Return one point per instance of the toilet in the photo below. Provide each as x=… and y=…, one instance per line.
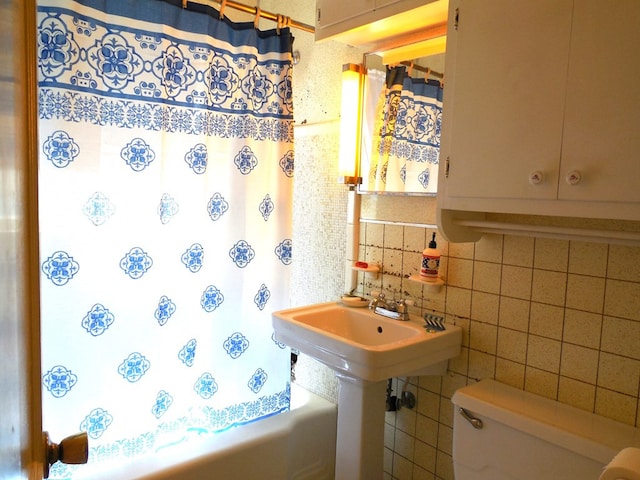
x=503, y=433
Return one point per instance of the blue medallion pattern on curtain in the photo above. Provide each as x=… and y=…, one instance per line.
x=406, y=136
x=165, y=182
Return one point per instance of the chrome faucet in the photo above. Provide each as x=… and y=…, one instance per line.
x=398, y=310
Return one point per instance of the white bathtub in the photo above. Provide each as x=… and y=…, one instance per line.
x=296, y=445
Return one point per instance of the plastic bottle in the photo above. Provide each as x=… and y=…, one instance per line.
x=430, y=261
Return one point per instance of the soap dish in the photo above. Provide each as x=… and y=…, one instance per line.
x=433, y=286
x=353, y=301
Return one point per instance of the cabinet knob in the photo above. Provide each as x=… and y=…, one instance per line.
x=573, y=177
x=536, y=177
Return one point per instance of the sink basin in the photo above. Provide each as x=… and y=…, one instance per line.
x=362, y=344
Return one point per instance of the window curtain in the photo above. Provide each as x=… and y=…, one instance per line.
x=165, y=183
x=406, y=135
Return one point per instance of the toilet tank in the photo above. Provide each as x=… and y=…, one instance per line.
x=528, y=437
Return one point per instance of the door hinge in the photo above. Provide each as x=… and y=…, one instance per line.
x=456, y=19
x=446, y=167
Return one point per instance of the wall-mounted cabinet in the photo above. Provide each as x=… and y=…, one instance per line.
x=542, y=109
x=370, y=23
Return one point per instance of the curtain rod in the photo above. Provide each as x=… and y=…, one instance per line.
x=257, y=11
x=426, y=70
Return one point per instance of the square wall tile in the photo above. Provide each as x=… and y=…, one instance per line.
x=620, y=374
x=551, y=254
x=481, y=365
x=483, y=337
x=420, y=473
x=459, y=272
x=616, y=405
x=485, y=307
x=414, y=239
x=428, y=404
x=458, y=301
x=391, y=284
x=394, y=236
x=516, y=282
x=388, y=463
x=541, y=383
x=510, y=373
x=425, y=456
x=518, y=251
x=514, y=314
x=582, y=328
x=404, y=444
x=549, y=287
x=458, y=250
x=588, y=258
x=579, y=363
x=444, y=466
x=577, y=394
x=447, y=411
x=460, y=364
x=402, y=467
x=427, y=430
x=431, y=383
x=621, y=336
x=450, y=383
x=406, y=417
x=624, y=263
x=375, y=235
x=585, y=293
x=445, y=439
x=543, y=353
x=392, y=261
x=623, y=299
x=546, y=320
x=512, y=345
x=389, y=433
x=486, y=277
x=373, y=255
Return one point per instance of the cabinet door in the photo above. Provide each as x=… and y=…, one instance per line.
x=330, y=12
x=602, y=123
x=506, y=108
x=384, y=3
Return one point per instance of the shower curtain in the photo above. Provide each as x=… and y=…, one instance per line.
x=406, y=135
x=165, y=183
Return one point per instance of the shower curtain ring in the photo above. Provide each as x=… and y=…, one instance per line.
x=256, y=20
x=426, y=74
x=223, y=3
x=184, y=3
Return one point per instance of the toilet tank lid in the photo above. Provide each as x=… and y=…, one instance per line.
x=585, y=433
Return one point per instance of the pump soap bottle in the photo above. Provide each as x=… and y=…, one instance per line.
x=430, y=261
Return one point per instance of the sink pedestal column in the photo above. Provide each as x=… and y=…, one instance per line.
x=360, y=439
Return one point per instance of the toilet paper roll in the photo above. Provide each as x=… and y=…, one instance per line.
x=624, y=466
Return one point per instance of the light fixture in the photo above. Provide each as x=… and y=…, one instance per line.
x=352, y=78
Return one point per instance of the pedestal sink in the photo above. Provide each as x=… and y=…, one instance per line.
x=365, y=349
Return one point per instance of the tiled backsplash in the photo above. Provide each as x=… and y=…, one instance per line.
x=553, y=317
